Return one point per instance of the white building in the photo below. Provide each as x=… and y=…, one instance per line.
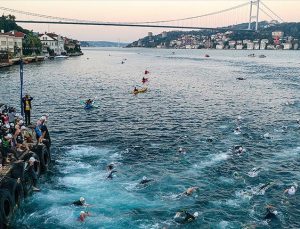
x=219, y=46
x=12, y=42
x=250, y=45
x=287, y=46
x=53, y=42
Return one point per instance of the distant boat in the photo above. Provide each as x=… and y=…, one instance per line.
x=262, y=56
x=251, y=55
x=206, y=55
x=61, y=57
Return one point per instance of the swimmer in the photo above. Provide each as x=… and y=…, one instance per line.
x=110, y=167
x=254, y=172
x=237, y=130
x=83, y=215
x=264, y=187
x=182, y=150
x=189, y=191
x=185, y=217
x=291, y=191
x=81, y=202
x=145, y=180
x=110, y=175
x=271, y=212
x=239, y=150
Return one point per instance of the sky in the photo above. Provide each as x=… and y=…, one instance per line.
x=139, y=10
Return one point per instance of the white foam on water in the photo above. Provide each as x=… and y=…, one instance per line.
x=212, y=160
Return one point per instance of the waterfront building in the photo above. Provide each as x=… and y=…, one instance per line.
x=287, y=46
x=53, y=42
x=232, y=44
x=250, y=45
x=219, y=46
x=256, y=44
x=12, y=42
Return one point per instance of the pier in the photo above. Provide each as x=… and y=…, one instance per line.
x=16, y=180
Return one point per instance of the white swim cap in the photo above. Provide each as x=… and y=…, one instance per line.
x=82, y=212
x=196, y=214
x=32, y=159
x=8, y=136
x=144, y=178
x=21, y=122
x=81, y=199
x=291, y=190
x=23, y=127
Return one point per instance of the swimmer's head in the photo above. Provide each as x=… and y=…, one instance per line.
x=82, y=199
x=144, y=178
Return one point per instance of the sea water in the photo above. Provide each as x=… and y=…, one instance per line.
x=192, y=102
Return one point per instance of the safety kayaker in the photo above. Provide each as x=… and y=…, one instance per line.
x=135, y=89
x=146, y=72
x=89, y=102
x=144, y=80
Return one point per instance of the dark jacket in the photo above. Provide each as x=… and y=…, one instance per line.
x=24, y=99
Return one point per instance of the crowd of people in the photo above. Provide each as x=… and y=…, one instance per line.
x=18, y=135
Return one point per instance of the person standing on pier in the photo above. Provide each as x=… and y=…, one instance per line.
x=27, y=108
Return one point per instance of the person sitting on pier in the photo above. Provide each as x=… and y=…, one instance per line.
x=6, y=148
x=38, y=131
x=21, y=145
x=45, y=132
x=32, y=174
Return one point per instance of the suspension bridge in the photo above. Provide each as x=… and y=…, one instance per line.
x=250, y=12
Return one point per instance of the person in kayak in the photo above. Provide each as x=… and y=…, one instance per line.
x=89, y=102
x=146, y=72
x=144, y=80
x=135, y=89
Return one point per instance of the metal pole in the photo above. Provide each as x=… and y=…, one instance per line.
x=21, y=82
x=257, y=13
x=250, y=15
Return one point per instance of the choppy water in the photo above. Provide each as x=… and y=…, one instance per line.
x=191, y=99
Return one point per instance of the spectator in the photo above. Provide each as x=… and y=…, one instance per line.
x=27, y=107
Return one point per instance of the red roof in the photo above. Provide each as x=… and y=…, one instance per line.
x=15, y=34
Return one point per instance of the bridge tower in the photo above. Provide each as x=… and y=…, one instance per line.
x=254, y=16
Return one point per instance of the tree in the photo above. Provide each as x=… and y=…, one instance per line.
x=31, y=44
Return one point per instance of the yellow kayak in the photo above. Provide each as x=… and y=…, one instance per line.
x=142, y=90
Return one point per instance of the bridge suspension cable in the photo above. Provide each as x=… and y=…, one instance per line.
x=278, y=17
x=141, y=22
